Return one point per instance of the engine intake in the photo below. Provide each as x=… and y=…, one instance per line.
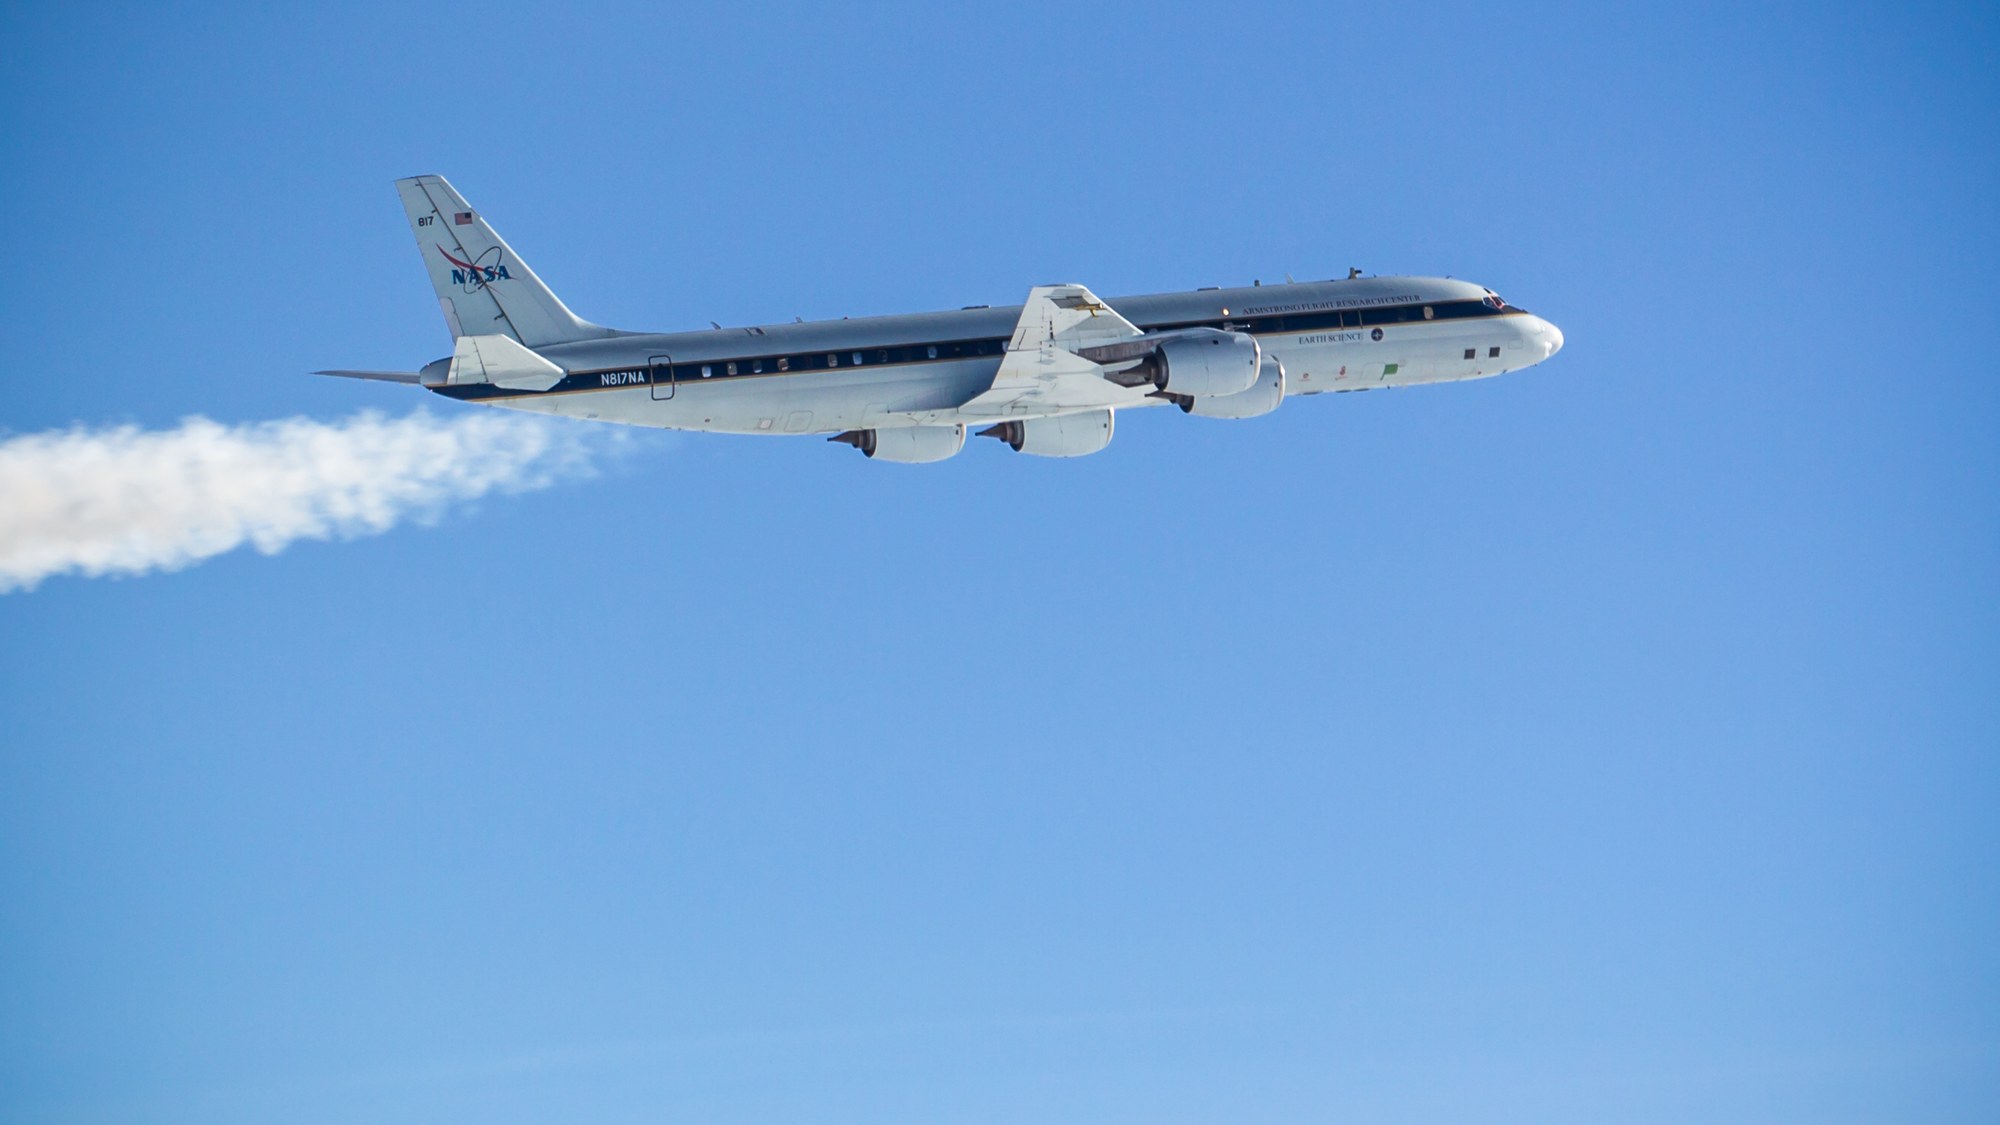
x=1264, y=396
x=1207, y=363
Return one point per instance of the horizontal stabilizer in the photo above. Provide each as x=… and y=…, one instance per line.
x=502, y=362
x=379, y=376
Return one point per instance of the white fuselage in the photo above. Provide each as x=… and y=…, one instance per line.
x=880, y=372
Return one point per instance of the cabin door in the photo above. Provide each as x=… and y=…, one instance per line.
x=660, y=374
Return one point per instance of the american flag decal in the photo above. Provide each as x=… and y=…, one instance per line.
x=461, y=218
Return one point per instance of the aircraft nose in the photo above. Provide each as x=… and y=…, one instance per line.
x=1549, y=335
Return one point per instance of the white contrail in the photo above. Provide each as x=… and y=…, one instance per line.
x=127, y=501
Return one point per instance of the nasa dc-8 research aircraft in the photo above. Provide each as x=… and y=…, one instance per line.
x=1047, y=378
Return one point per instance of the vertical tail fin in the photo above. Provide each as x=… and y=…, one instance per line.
x=483, y=287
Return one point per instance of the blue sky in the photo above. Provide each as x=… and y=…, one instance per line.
x=1613, y=741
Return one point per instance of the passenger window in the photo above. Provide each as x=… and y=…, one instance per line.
x=931, y=351
x=1493, y=352
x=857, y=359
x=784, y=365
x=729, y=370
x=705, y=372
x=756, y=367
x=1470, y=352
x=1429, y=313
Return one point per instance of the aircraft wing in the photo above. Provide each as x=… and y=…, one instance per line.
x=1042, y=374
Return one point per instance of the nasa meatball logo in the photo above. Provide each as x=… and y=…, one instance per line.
x=473, y=276
x=1375, y=335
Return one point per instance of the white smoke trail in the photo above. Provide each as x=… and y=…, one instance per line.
x=128, y=501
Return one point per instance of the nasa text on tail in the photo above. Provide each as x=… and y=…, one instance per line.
x=1047, y=377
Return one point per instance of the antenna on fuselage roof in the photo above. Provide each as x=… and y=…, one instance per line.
x=1353, y=272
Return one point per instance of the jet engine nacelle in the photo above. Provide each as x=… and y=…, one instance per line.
x=907, y=445
x=1071, y=435
x=1208, y=363
x=1264, y=396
